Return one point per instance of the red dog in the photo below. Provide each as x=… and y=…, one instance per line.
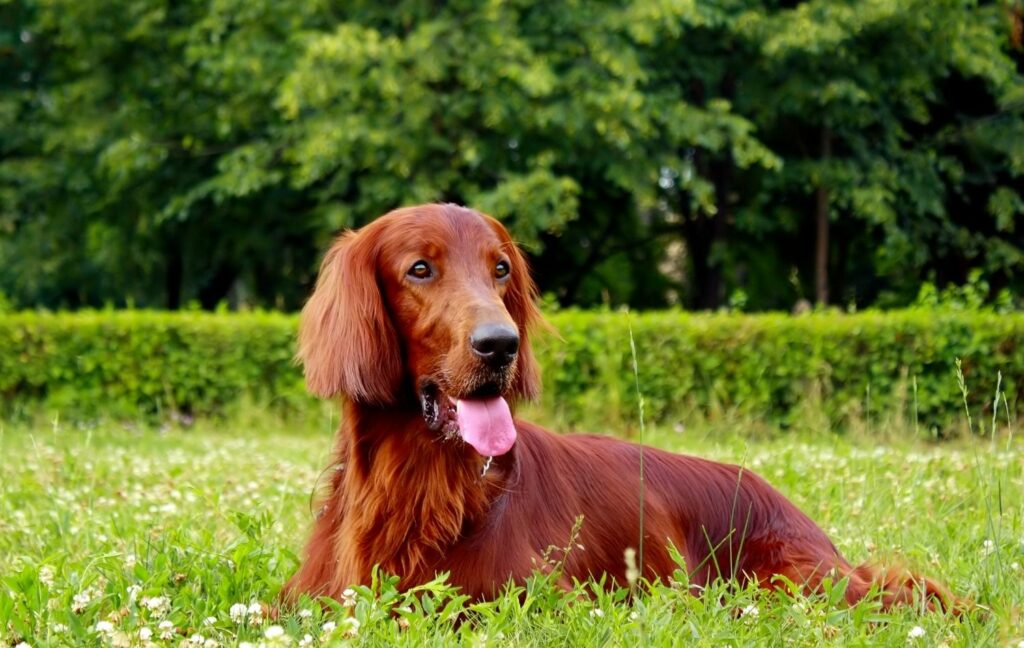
x=421, y=321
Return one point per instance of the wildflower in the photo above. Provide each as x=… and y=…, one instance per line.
x=246, y=644
x=166, y=629
x=329, y=627
x=348, y=597
x=103, y=627
x=209, y=621
x=306, y=641
x=129, y=561
x=988, y=547
x=751, y=610
x=156, y=604
x=597, y=612
x=46, y=575
x=237, y=612
x=79, y=601
x=210, y=643
x=351, y=629
x=197, y=639
x=133, y=592
x=145, y=634
x=255, y=613
x=274, y=632
x=916, y=632
x=59, y=628
x=305, y=613
x=632, y=573
x=23, y=645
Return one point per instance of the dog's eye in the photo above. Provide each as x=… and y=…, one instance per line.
x=502, y=269
x=420, y=270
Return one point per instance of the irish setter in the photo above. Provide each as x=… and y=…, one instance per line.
x=421, y=321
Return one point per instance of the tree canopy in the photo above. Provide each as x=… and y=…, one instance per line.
x=742, y=152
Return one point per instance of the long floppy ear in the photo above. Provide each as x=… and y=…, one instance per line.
x=346, y=340
x=521, y=302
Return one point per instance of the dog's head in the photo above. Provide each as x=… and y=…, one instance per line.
x=434, y=303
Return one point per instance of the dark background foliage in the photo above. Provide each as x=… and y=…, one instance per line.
x=748, y=153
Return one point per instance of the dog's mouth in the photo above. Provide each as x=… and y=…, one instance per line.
x=482, y=419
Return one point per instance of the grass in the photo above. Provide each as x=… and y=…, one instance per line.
x=184, y=535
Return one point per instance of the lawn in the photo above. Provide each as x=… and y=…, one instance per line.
x=133, y=535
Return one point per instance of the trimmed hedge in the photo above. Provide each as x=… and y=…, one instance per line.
x=132, y=363
x=127, y=364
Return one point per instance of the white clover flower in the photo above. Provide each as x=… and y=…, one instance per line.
x=750, y=610
x=916, y=632
x=348, y=597
x=197, y=639
x=210, y=643
x=329, y=627
x=23, y=645
x=237, y=612
x=597, y=612
x=166, y=630
x=145, y=634
x=306, y=641
x=156, y=604
x=133, y=591
x=988, y=547
x=79, y=601
x=59, y=628
x=255, y=612
x=274, y=632
x=129, y=561
x=46, y=575
x=103, y=627
x=351, y=628
x=305, y=613
x=209, y=621
x=246, y=644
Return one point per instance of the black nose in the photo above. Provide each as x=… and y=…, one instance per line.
x=497, y=344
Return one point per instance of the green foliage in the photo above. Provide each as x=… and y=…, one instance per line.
x=128, y=364
x=856, y=366
x=646, y=152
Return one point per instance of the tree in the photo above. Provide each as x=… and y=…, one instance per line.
x=646, y=152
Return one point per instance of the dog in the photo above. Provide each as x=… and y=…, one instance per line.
x=421, y=321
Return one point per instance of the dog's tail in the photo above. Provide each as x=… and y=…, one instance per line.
x=898, y=586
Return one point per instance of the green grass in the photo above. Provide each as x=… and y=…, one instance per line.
x=128, y=528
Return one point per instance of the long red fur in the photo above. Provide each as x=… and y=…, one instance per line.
x=415, y=505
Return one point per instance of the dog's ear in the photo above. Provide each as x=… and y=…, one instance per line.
x=521, y=302
x=347, y=342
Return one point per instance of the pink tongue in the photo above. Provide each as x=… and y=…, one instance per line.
x=486, y=424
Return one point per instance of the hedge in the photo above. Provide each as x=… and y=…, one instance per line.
x=139, y=363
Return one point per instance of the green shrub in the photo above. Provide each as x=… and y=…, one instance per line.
x=862, y=366
x=128, y=363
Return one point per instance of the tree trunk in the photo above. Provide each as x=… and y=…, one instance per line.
x=821, y=225
x=217, y=287
x=175, y=268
